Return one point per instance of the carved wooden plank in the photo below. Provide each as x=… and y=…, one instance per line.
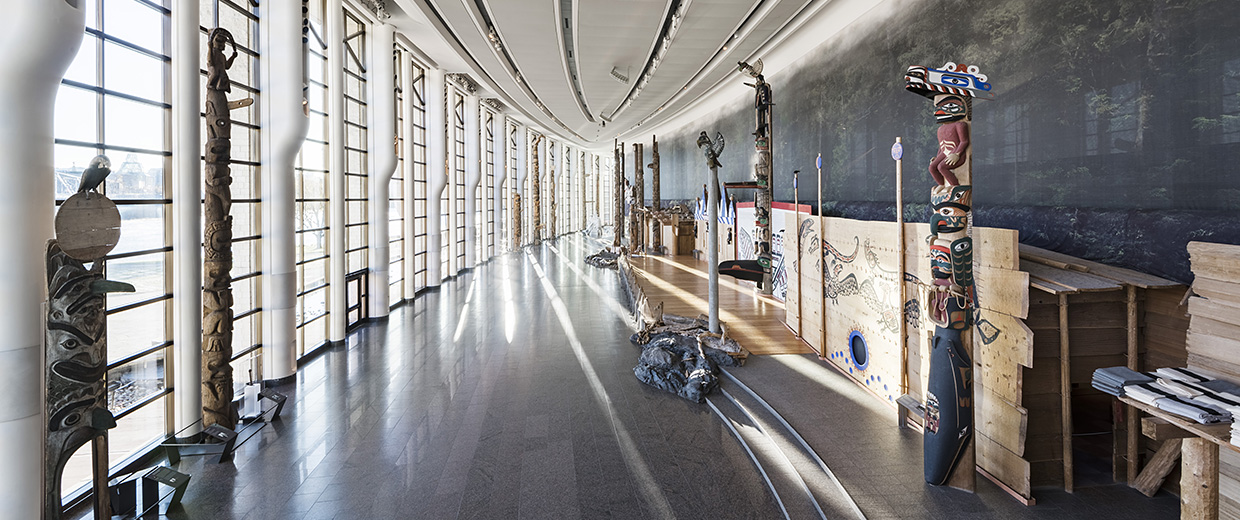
x=1003, y=464
x=1004, y=422
x=1003, y=290
x=1006, y=334
x=1199, y=479
x=1073, y=281
x=1217, y=290
x=1160, y=429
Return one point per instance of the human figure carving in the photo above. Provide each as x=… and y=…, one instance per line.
x=953, y=135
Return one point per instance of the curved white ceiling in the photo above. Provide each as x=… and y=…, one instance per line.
x=712, y=37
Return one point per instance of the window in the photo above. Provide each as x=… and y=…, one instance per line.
x=396, y=193
x=356, y=129
x=487, y=234
x=417, y=113
x=311, y=182
x=115, y=100
x=458, y=180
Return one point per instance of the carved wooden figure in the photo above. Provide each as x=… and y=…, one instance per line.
x=537, y=191
x=763, y=122
x=654, y=192
x=617, y=193
x=87, y=228
x=552, y=207
x=217, y=298
x=948, y=441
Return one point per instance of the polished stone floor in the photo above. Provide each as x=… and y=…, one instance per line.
x=509, y=393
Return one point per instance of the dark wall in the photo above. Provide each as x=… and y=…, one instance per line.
x=1127, y=110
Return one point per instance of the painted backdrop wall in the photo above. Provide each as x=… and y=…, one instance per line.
x=1115, y=134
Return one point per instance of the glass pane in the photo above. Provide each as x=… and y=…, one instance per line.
x=83, y=68
x=131, y=383
x=76, y=115
x=135, y=176
x=145, y=273
x=137, y=329
x=142, y=228
x=136, y=430
x=133, y=73
x=135, y=23
x=131, y=124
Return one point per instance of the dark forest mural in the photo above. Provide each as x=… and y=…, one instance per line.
x=1114, y=134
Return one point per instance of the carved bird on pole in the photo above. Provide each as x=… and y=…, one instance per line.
x=712, y=150
x=99, y=169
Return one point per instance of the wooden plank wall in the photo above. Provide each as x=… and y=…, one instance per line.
x=861, y=294
x=1213, y=340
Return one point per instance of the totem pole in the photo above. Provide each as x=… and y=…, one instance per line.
x=619, y=193
x=88, y=226
x=654, y=192
x=217, y=312
x=536, y=189
x=639, y=198
x=516, y=219
x=763, y=101
x=712, y=151
x=948, y=441
x=552, y=207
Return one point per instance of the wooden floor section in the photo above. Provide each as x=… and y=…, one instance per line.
x=755, y=321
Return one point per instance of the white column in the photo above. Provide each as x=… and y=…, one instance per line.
x=411, y=285
x=187, y=221
x=473, y=177
x=499, y=128
x=383, y=158
x=284, y=129
x=337, y=265
x=436, y=171
x=50, y=32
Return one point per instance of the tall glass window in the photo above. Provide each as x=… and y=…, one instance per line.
x=356, y=123
x=484, y=244
x=417, y=113
x=396, y=191
x=115, y=100
x=311, y=192
x=458, y=179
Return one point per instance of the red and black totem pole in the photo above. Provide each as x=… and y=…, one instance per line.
x=948, y=441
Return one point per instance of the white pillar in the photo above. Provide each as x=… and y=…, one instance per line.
x=284, y=129
x=499, y=128
x=411, y=284
x=337, y=264
x=383, y=158
x=49, y=32
x=473, y=177
x=436, y=171
x=187, y=221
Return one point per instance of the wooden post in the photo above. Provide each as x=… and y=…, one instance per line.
x=822, y=259
x=99, y=470
x=639, y=198
x=536, y=190
x=796, y=210
x=897, y=153
x=1199, y=479
x=217, y=261
x=1130, y=412
x=1065, y=389
x=617, y=169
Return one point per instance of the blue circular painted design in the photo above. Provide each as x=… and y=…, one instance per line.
x=818, y=161
x=859, y=350
x=897, y=151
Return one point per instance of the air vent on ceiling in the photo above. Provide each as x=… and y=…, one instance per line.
x=620, y=76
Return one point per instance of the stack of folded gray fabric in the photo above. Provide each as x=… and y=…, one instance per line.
x=1112, y=380
x=1165, y=396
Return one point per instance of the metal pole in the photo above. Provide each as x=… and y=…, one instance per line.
x=712, y=249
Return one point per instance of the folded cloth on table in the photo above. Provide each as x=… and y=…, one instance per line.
x=1219, y=385
x=1178, y=388
x=1146, y=393
x=1195, y=411
x=1181, y=374
x=1120, y=376
x=1117, y=391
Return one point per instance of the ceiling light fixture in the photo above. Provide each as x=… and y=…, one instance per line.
x=620, y=76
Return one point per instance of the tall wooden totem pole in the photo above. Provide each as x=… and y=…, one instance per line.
x=948, y=441
x=617, y=150
x=88, y=226
x=217, y=299
x=763, y=101
x=552, y=207
x=536, y=190
x=654, y=191
x=638, y=236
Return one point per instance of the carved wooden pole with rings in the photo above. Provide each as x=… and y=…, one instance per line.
x=617, y=151
x=552, y=207
x=537, y=191
x=948, y=441
x=217, y=299
x=655, y=205
x=763, y=101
